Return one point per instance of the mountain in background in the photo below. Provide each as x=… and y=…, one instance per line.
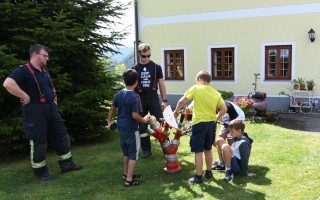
x=125, y=57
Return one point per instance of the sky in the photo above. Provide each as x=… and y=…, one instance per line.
x=128, y=20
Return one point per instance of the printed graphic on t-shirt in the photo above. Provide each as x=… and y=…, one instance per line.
x=225, y=119
x=145, y=78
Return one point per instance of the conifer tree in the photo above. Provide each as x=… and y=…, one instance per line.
x=73, y=29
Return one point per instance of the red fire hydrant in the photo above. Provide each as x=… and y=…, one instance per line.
x=161, y=132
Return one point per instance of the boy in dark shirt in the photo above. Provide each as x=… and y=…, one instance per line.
x=129, y=106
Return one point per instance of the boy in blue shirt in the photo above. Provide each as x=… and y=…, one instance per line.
x=129, y=106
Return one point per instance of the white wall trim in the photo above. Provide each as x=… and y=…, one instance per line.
x=230, y=14
x=219, y=82
x=293, y=62
x=184, y=61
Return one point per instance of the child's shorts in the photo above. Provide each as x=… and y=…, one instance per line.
x=130, y=143
x=203, y=136
x=235, y=165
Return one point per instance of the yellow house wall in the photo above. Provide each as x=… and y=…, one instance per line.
x=248, y=34
x=156, y=8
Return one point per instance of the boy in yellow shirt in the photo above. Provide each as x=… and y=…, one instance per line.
x=206, y=103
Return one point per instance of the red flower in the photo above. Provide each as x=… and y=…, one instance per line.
x=244, y=103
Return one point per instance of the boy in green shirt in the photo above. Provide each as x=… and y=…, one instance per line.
x=206, y=103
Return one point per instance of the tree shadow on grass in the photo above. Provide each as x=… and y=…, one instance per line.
x=215, y=186
x=233, y=191
x=259, y=179
x=155, y=180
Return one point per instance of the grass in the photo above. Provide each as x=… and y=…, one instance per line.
x=286, y=162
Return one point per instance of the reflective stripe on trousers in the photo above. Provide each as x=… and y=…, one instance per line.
x=34, y=164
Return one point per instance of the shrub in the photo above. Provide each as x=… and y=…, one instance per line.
x=226, y=94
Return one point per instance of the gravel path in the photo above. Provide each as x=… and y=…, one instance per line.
x=298, y=121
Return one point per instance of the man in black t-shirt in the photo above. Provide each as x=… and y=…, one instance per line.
x=150, y=78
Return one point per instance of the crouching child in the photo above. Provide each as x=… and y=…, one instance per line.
x=236, y=156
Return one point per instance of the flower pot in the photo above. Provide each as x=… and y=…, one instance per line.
x=302, y=87
x=310, y=88
x=296, y=87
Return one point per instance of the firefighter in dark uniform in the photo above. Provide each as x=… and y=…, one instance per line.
x=150, y=78
x=32, y=84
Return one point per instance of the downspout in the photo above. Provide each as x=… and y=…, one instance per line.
x=136, y=22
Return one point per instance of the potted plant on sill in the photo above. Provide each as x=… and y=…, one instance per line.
x=301, y=83
x=310, y=84
x=295, y=84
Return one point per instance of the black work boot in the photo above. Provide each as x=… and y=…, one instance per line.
x=69, y=165
x=43, y=173
x=146, y=153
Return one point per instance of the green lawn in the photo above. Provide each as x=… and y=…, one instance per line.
x=287, y=164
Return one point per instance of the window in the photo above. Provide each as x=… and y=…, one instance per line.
x=222, y=63
x=174, y=64
x=278, y=62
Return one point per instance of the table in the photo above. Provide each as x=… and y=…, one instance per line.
x=302, y=99
x=300, y=96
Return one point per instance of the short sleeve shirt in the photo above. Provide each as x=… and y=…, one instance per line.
x=234, y=112
x=149, y=74
x=206, y=101
x=27, y=83
x=127, y=102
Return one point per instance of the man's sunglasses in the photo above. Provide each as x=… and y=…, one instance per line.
x=144, y=56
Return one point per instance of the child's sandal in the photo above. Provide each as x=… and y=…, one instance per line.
x=131, y=183
x=124, y=177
